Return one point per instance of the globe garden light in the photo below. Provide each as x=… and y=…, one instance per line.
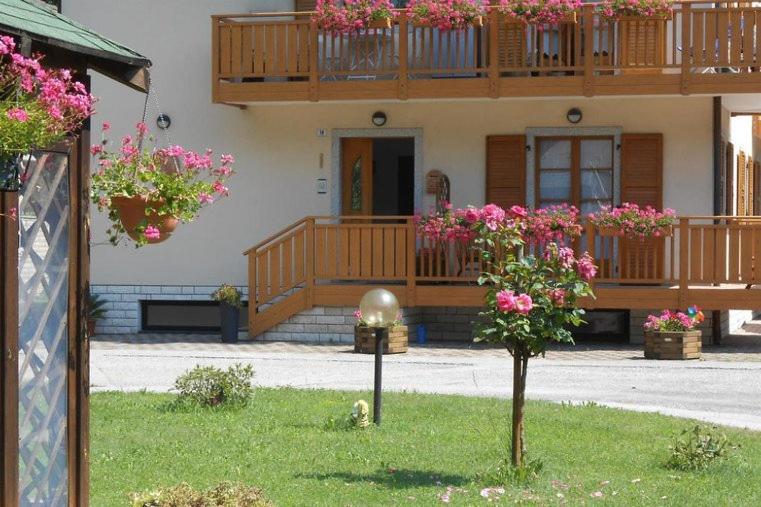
x=379, y=308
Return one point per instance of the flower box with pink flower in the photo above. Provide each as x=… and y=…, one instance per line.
x=446, y=15
x=364, y=337
x=673, y=335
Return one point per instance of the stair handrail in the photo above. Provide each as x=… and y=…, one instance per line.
x=275, y=236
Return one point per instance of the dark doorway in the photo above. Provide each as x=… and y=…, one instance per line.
x=393, y=176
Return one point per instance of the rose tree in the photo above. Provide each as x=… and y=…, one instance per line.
x=531, y=301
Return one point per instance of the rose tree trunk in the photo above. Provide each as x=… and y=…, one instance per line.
x=519, y=392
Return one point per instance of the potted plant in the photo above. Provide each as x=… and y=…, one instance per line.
x=672, y=335
x=634, y=221
x=149, y=191
x=39, y=107
x=229, y=300
x=539, y=12
x=364, y=337
x=95, y=311
x=352, y=16
x=446, y=14
x=641, y=30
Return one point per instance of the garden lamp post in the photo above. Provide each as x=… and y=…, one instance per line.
x=379, y=309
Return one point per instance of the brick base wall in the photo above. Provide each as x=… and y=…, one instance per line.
x=123, y=302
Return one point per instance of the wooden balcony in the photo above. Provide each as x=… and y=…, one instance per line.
x=713, y=262
x=285, y=57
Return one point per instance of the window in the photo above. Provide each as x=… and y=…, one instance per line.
x=575, y=170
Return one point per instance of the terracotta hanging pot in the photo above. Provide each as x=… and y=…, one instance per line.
x=132, y=215
x=379, y=23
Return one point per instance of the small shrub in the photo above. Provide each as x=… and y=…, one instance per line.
x=227, y=294
x=225, y=494
x=699, y=447
x=210, y=386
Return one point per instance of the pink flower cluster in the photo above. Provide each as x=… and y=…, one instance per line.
x=566, y=259
x=508, y=301
x=539, y=12
x=631, y=220
x=614, y=9
x=540, y=226
x=669, y=320
x=445, y=14
x=63, y=102
x=350, y=16
x=553, y=223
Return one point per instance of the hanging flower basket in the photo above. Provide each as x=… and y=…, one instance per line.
x=539, y=12
x=147, y=192
x=136, y=219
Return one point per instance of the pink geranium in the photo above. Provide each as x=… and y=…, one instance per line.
x=152, y=232
x=539, y=12
x=351, y=16
x=586, y=267
x=445, y=14
x=17, y=114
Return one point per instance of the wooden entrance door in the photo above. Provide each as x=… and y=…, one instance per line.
x=356, y=176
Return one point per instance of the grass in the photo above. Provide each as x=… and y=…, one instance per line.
x=285, y=443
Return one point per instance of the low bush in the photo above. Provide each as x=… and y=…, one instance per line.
x=225, y=494
x=209, y=386
x=699, y=447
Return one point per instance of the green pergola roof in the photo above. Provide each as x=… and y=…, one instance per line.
x=43, y=24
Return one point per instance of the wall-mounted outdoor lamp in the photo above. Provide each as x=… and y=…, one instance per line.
x=379, y=309
x=163, y=121
x=379, y=118
x=574, y=115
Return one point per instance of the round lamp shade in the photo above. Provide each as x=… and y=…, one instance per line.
x=379, y=308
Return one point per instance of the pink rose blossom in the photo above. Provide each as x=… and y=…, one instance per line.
x=523, y=304
x=506, y=301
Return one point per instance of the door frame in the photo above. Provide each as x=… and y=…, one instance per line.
x=533, y=132
x=335, y=172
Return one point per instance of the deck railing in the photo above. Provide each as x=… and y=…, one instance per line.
x=700, y=251
x=275, y=56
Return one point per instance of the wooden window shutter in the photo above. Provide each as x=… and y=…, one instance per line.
x=642, y=184
x=642, y=169
x=741, y=181
x=506, y=170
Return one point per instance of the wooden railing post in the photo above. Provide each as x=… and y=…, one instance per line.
x=684, y=261
x=590, y=231
x=253, y=300
x=314, y=51
x=309, y=284
x=589, y=48
x=411, y=262
x=402, y=93
x=493, y=53
x=687, y=50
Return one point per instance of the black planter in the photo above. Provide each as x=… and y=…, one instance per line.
x=230, y=316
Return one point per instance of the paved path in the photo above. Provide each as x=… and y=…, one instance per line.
x=725, y=388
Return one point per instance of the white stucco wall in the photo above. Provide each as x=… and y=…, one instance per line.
x=278, y=149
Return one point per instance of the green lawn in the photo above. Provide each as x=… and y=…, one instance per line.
x=283, y=443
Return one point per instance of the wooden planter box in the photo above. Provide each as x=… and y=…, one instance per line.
x=673, y=345
x=364, y=340
x=379, y=23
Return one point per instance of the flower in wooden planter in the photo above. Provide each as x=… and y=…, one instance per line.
x=446, y=14
x=352, y=16
x=614, y=9
x=147, y=192
x=673, y=335
x=634, y=221
x=669, y=320
x=540, y=12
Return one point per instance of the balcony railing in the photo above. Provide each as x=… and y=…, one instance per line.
x=284, y=56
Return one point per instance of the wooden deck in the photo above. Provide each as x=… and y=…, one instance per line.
x=285, y=57
x=712, y=262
